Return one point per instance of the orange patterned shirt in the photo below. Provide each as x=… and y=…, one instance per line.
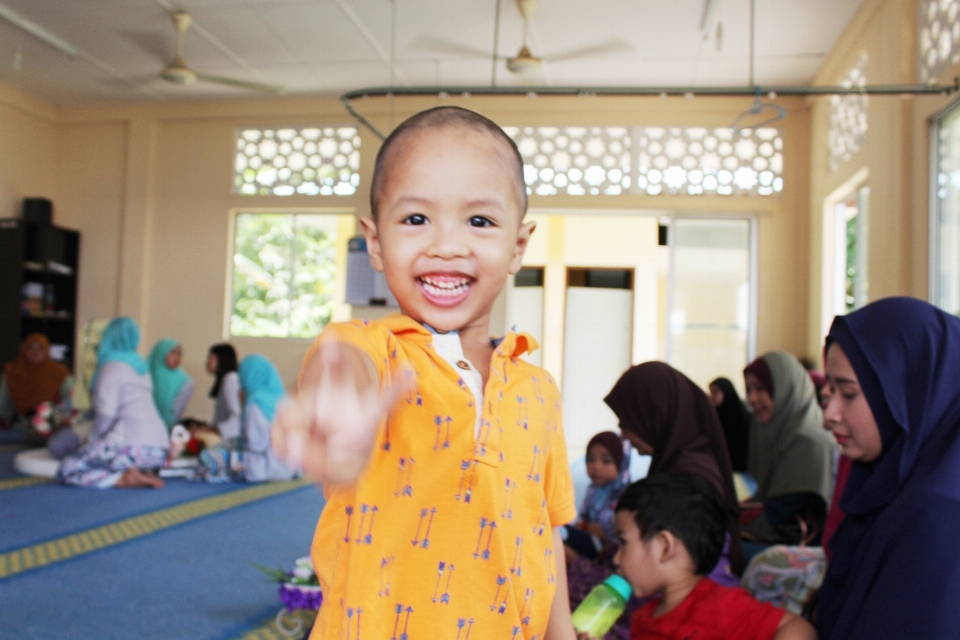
x=447, y=534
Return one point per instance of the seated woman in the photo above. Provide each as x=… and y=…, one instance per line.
x=608, y=466
x=222, y=363
x=30, y=381
x=895, y=410
x=128, y=440
x=250, y=457
x=172, y=387
x=791, y=455
x=666, y=415
x=734, y=419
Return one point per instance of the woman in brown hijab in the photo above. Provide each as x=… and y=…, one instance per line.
x=30, y=380
x=665, y=415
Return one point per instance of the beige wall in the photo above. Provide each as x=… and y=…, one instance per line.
x=28, y=150
x=895, y=155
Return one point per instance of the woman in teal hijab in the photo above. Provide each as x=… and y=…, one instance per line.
x=119, y=344
x=172, y=387
x=261, y=383
x=251, y=459
x=128, y=441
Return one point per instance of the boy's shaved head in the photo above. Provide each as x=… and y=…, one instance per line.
x=437, y=118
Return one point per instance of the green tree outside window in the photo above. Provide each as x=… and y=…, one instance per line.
x=283, y=274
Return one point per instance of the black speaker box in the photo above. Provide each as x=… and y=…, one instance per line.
x=39, y=210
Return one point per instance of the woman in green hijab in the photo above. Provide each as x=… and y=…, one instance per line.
x=791, y=455
x=172, y=387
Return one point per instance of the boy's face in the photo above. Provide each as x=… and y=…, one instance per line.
x=637, y=560
x=448, y=229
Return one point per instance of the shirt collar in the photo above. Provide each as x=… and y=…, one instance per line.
x=511, y=345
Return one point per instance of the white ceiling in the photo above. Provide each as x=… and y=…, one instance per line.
x=314, y=47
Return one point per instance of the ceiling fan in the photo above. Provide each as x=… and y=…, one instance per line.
x=178, y=72
x=524, y=63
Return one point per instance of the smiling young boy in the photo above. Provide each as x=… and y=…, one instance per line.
x=671, y=529
x=441, y=452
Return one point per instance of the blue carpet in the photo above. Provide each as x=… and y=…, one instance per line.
x=6, y=465
x=42, y=512
x=191, y=581
x=10, y=435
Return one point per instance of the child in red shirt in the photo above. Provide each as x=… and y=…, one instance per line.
x=671, y=531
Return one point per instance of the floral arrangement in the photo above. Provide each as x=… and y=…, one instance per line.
x=299, y=587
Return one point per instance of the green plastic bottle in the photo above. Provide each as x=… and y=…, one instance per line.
x=602, y=606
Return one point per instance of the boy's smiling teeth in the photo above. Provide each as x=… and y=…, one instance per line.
x=449, y=286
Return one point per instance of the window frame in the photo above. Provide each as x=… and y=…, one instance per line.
x=935, y=211
x=851, y=188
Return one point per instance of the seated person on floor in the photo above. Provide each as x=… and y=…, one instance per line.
x=671, y=529
x=735, y=420
x=30, y=381
x=608, y=468
x=172, y=387
x=222, y=363
x=129, y=440
x=249, y=458
x=791, y=455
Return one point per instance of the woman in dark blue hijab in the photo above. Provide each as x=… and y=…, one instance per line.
x=894, y=369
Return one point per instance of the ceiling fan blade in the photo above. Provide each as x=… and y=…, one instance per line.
x=601, y=48
x=432, y=45
x=241, y=84
x=153, y=44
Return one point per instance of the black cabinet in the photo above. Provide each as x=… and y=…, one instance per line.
x=38, y=287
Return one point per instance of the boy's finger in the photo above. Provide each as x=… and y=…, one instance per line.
x=286, y=437
x=337, y=372
x=294, y=448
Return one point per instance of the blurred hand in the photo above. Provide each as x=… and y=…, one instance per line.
x=328, y=429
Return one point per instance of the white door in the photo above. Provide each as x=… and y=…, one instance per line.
x=597, y=344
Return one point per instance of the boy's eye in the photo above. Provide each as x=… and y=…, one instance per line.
x=480, y=221
x=415, y=219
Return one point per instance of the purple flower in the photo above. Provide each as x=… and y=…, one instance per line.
x=298, y=597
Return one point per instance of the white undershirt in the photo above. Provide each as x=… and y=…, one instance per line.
x=447, y=345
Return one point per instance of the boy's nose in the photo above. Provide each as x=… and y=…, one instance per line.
x=448, y=243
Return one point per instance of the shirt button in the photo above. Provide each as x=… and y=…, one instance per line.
x=463, y=364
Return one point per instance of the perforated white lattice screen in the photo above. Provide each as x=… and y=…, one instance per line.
x=308, y=160
x=574, y=160
x=848, y=117
x=651, y=160
x=697, y=161
x=939, y=40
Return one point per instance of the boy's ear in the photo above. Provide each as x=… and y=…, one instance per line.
x=667, y=547
x=523, y=238
x=369, y=226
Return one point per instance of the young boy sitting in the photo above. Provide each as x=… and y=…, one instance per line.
x=440, y=451
x=671, y=531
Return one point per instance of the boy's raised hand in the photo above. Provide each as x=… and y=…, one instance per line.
x=329, y=428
